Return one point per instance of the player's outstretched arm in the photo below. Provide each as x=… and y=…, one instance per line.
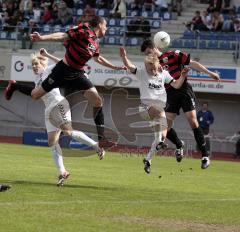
x=35, y=36
x=178, y=83
x=126, y=61
x=103, y=61
x=201, y=68
x=44, y=52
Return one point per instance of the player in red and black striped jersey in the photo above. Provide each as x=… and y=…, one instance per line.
x=81, y=45
x=174, y=62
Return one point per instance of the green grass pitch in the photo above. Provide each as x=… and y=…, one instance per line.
x=115, y=194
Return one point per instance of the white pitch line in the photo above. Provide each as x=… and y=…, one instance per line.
x=114, y=202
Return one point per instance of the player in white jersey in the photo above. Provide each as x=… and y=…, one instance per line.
x=57, y=113
x=152, y=79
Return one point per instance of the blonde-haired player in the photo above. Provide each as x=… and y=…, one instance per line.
x=57, y=112
x=153, y=97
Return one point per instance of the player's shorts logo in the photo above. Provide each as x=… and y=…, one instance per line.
x=50, y=81
x=165, y=59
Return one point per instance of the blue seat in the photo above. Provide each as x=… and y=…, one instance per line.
x=13, y=35
x=133, y=41
x=208, y=35
x=111, y=40
x=79, y=12
x=156, y=23
x=212, y=44
x=46, y=28
x=203, y=44
x=177, y=43
x=227, y=36
x=156, y=15
x=225, y=45
x=133, y=13
x=166, y=16
x=57, y=28
x=123, y=22
x=189, y=35
x=190, y=43
x=103, y=12
x=113, y=22
x=3, y=35
x=113, y=31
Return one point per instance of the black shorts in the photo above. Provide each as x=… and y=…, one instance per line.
x=63, y=75
x=180, y=98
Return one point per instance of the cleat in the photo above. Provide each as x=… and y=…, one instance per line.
x=179, y=153
x=106, y=144
x=101, y=153
x=8, y=92
x=205, y=162
x=62, y=178
x=4, y=187
x=147, y=166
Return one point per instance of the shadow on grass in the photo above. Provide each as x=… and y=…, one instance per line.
x=36, y=183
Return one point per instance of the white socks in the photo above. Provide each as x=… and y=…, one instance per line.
x=57, y=156
x=81, y=137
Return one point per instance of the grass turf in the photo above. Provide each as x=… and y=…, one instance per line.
x=115, y=194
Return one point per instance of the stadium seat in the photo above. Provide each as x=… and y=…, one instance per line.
x=3, y=35
x=13, y=35
x=122, y=22
x=46, y=28
x=166, y=16
x=113, y=22
x=190, y=43
x=156, y=23
x=208, y=35
x=156, y=15
x=79, y=12
x=57, y=28
x=133, y=41
x=212, y=44
x=133, y=13
x=111, y=40
x=189, y=35
x=103, y=12
x=203, y=44
x=225, y=45
x=177, y=43
x=146, y=14
x=113, y=31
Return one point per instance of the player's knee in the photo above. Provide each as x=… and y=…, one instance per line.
x=35, y=95
x=98, y=102
x=51, y=142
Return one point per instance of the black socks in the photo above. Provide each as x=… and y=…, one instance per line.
x=201, y=142
x=99, y=121
x=172, y=136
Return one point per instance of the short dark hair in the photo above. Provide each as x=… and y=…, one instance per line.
x=95, y=21
x=146, y=44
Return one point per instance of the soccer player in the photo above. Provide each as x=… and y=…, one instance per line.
x=174, y=62
x=4, y=187
x=81, y=44
x=153, y=97
x=57, y=112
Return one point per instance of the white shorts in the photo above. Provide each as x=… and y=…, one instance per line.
x=144, y=108
x=57, y=115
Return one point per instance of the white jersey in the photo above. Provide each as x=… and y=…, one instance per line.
x=152, y=90
x=53, y=97
x=57, y=109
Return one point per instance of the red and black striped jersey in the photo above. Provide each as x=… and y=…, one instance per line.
x=81, y=45
x=174, y=62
